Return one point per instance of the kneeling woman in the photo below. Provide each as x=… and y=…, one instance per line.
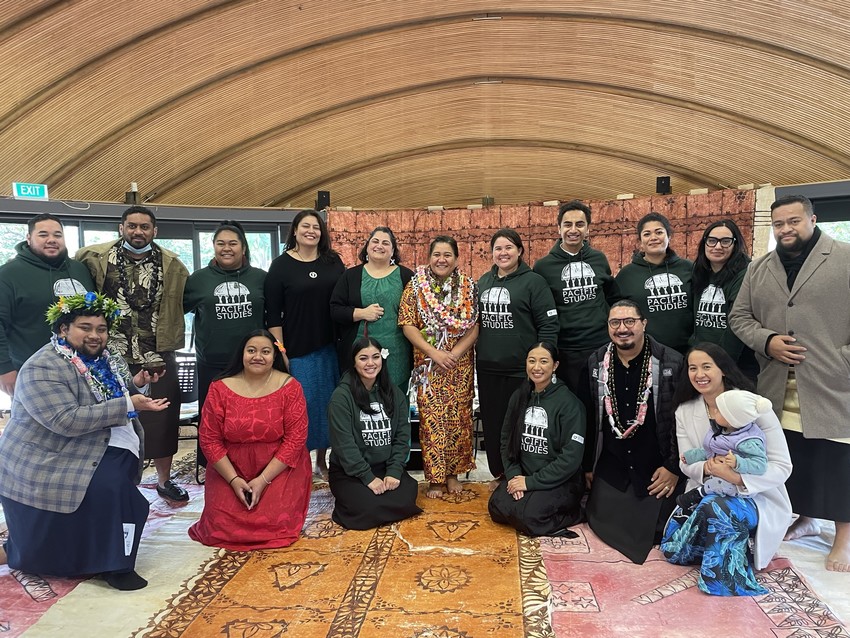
x=370, y=441
x=542, y=449
x=253, y=433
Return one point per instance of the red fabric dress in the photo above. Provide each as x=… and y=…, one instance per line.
x=251, y=431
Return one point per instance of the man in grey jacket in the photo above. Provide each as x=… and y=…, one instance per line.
x=793, y=310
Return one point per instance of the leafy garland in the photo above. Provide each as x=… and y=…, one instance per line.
x=445, y=306
x=610, y=396
x=93, y=301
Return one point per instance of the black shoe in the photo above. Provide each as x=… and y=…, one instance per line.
x=125, y=581
x=689, y=500
x=172, y=491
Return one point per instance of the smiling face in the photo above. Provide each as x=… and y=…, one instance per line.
x=258, y=356
x=137, y=230
x=379, y=250
x=573, y=230
x=86, y=335
x=368, y=364
x=540, y=367
x=704, y=374
x=505, y=256
x=228, y=250
x=47, y=239
x=792, y=227
x=718, y=254
x=653, y=240
x=443, y=260
x=308, y=232
x=624, y=337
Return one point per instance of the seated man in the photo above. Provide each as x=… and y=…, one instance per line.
x=70, y=454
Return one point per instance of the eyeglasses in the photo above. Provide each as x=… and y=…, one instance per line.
x=629, y=322
x=725, y=241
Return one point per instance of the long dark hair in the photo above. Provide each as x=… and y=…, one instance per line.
x=733, y=378
x=396, y=257
x=516, y=418
x=237, y=364
x=326, y=253
x=737, y=261
x=386, y=390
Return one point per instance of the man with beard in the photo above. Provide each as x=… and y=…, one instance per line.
x=632, y=463
x=70, y=456
x=793, y=310
x=39, y=274
x=147, y=281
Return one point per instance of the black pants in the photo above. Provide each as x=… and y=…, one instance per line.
x=494, y=392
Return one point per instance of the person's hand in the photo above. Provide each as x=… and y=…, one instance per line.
x=517, y=484
x=377, y=486
x=518, y=495
x=241, y=487
x=588, y=480
x=390, y=482
x=257, y=486
x=716, y=466
x=784, y=348
x=7, y=382
x=663, y=483
x=445, y=360
x=731, y=460
x=141, y=402
x=371, y=312
x=143, y=377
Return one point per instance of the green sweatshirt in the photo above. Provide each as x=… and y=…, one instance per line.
x=228, y=304
x=514, y=312
x=552, y=443
x=28, y=285
x=583, y=289
x=360, y=440
x=711, y=320
x=664, y=294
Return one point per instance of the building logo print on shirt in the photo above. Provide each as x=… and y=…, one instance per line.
x=232, y=301
x=496, y=309
x=579, y=282
x=534, y=437
x=67, y=287
x=376, y=428
x=665, y=293
x=712, y=308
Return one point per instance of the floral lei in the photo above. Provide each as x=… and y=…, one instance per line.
x=446, y=306
x=610, y=398
x=103, y=374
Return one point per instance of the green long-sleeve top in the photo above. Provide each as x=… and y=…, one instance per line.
x=515, y=312
x=360, y=440
x=552, y=441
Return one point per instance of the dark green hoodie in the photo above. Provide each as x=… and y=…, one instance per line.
x=515, y=312
x=664, y=294
x=228, y=304
x=583, y=289
x=360, y=440
x=552, y=442
x=29, y=284
x=711, y=321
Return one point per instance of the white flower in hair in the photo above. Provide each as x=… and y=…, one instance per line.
x=384, y=353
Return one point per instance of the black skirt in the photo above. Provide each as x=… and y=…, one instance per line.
x=818, y=483
x=358, y=507
x=539, y=512
x=90, y=540
x=162, y=428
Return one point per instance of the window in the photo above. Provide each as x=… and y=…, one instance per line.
x=11, y=234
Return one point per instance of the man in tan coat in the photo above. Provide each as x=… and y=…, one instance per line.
x=793, y=310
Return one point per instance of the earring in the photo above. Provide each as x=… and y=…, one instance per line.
x=367, y=257
x=554, y=377
x=392, y=261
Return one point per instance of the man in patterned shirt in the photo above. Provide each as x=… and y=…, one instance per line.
x=147, y=281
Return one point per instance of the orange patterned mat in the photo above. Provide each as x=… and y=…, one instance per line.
x=449, y=572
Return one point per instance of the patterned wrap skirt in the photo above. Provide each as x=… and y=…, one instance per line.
x=318, y=374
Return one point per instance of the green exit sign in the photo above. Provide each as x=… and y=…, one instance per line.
x=20, y=190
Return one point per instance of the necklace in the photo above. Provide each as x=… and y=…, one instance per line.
x=155, y=279
x=253, y=394
x=610, y=395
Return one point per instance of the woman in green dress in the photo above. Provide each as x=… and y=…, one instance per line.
x=365, y=303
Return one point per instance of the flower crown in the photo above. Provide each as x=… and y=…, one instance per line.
x=91, y=301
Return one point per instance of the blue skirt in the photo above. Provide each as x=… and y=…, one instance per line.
x=90, y=540
x=318, y=374
x=716, y=536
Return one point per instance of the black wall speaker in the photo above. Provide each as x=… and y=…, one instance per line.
x=662, y=185
x=323, y=199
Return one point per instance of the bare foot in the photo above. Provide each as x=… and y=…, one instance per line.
x=453, y=485
x=839, y=558
x=435, y=490
x=493, y=485
x=2, y=555
x=803, y=526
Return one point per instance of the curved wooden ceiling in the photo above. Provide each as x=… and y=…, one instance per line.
x=393, y=104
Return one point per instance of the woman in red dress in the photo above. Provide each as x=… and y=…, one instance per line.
x=253, y=433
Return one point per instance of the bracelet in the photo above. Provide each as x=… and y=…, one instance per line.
x=230, y=482
x=268, y=482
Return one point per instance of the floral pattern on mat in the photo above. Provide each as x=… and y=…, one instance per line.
x=404, y=580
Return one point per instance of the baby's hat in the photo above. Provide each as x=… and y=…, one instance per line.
x=740, y=407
